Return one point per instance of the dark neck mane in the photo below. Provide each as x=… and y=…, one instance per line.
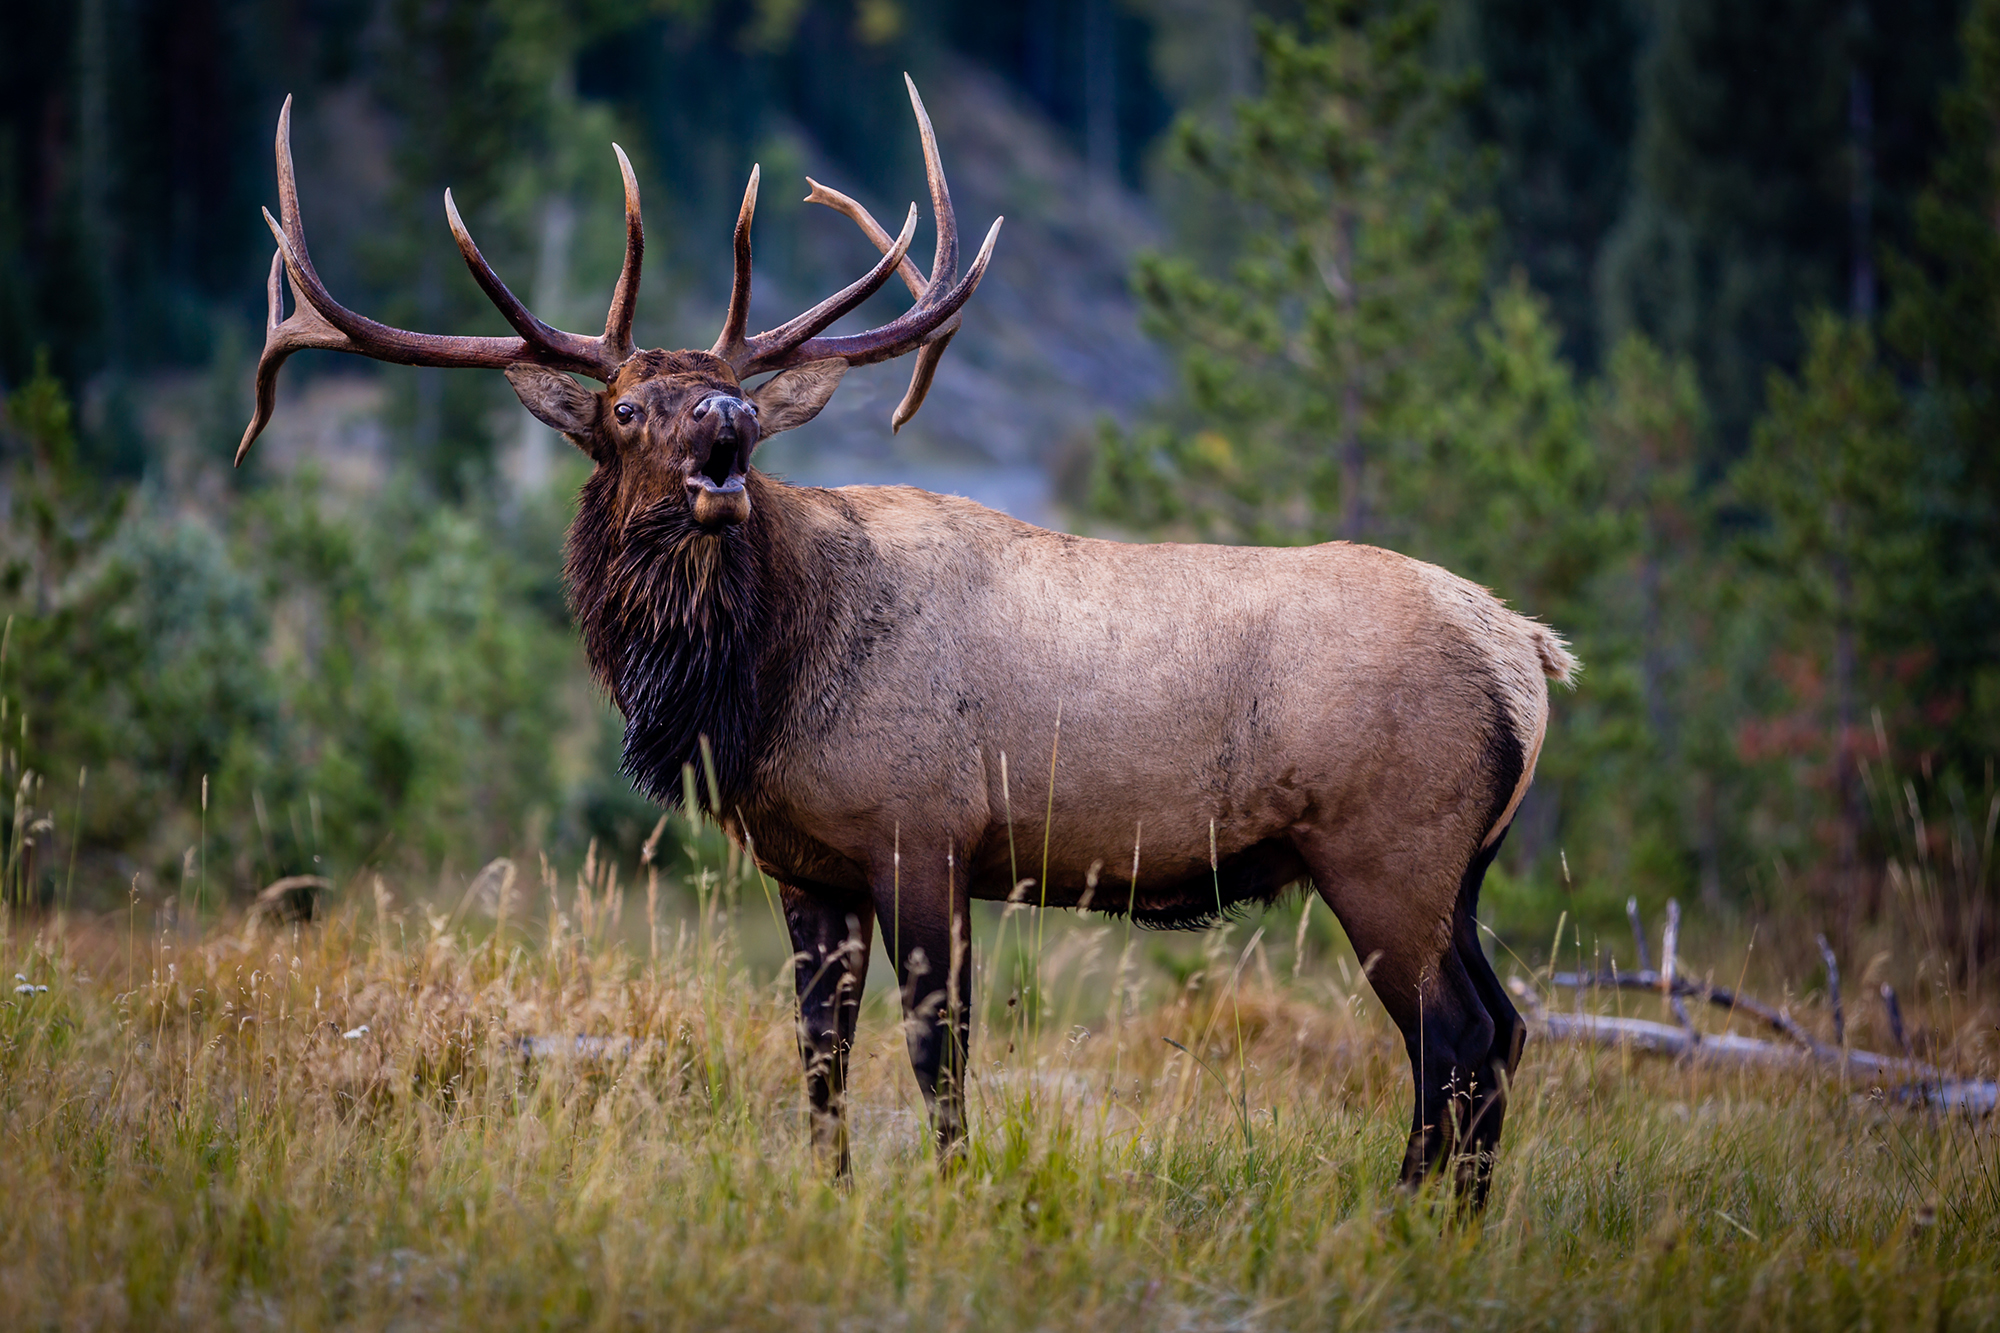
x=671, y=621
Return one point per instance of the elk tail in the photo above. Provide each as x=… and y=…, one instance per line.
x=1558, y=663
x=1527, y=706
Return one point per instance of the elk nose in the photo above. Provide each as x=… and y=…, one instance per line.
x=726, y=430
x=728, y=410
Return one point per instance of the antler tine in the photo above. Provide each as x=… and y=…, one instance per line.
x=907, y=331
x=933, y=350
x=278, y=345
x=853, y=211
x=730, y=344
x=766, y=350
x=553, y=343
x=921, y=375
x=945, y=265
x=625, y=297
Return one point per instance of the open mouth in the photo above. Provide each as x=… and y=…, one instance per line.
x=724, y=469
x=716, y=490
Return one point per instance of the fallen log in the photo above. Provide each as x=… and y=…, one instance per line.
x=1924, y=1085
x=577, y=1048
x=1642, y=1034
x=1646, y=979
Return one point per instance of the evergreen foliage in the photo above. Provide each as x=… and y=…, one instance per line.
x=343, y=686
x=1759, y=185
x=1841, y=558
x=1558, y=99
x=1322, y=346
x=1943, y=322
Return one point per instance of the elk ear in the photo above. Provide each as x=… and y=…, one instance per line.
x=794, y=397
x=558, y=402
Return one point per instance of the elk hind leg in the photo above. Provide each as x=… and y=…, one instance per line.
x=1449, y=1052
x=1408, y=940
x=1509, y=1032
x=830, y=943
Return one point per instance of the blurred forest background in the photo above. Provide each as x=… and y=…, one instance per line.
x=1677, y=322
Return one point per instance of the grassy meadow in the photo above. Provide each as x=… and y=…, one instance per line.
x=1675, y=323
x=339, y=1124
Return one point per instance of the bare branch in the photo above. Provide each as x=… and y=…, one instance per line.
x=1720, y=996
x=1833, y=991
x=1638, y=934
x=1930, y=1086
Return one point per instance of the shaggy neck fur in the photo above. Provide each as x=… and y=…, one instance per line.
x=671, y=619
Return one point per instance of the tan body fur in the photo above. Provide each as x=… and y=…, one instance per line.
x=1337, y=697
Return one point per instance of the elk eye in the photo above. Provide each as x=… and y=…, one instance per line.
x=625, y=412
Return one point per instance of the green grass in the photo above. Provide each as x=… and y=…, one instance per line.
x=191, y=1139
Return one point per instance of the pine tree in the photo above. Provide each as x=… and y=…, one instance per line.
x=1945, y=321
x=1319, y=350
x=1558, y=100
x=1664, y=611
x=1842, y=551
x=1738, y=217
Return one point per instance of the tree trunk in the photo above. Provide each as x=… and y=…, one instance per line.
x=1709, y=842
x=537, y=451
x=1861, y=142
x=1846, y=775
x=1353, y=454
x=1100, y=91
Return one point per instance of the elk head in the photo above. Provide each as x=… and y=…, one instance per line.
x=680, y=427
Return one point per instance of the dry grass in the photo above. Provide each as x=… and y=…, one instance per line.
x=200, y=1132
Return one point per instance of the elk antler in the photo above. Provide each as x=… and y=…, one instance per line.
x=928, y=325
x=932, y=350
x=317, y=320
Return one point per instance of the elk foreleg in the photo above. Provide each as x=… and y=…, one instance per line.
x=926, y=922
x=830, y=941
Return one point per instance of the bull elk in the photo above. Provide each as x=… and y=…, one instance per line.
x=861, y=662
